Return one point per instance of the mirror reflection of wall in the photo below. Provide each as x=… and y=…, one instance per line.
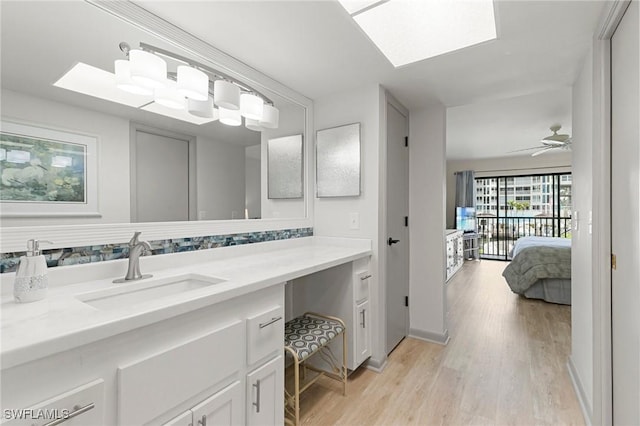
x=229, y=162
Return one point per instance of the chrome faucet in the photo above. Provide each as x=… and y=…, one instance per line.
x=136, y=249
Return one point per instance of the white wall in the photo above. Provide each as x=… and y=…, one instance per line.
x=427, y=176
x=220, y=180
x=252, y=181
x=113, y=152
x=503, y=166
x=332, y=214
x=581, y=248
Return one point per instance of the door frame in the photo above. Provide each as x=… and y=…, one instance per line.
x=602, y=410
x=386, y=98
x=193, y=190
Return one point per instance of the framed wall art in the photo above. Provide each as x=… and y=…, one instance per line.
x=338, y=161
x=47, y=172
x=284, y=163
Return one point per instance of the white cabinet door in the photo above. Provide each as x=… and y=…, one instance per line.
x=265, y=394
x=223, y=408
x=363, y=347
x=184, y=419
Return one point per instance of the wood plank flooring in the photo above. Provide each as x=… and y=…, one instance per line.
x=504, y=365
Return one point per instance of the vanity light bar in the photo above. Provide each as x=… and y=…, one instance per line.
x=212, y=73
x=196, y=87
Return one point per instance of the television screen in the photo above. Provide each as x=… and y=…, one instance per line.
x=466, y=219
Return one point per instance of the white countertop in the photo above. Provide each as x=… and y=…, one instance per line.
x=60, y=322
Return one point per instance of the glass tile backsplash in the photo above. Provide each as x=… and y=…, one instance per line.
x=100, y=253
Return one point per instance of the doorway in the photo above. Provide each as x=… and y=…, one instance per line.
x=162, y=176
x=397, y=237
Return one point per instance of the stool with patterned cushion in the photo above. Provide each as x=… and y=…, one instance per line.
x=304, y=337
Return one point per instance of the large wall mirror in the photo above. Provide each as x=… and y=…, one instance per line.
x=151, y=167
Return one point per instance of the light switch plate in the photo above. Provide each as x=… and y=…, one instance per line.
x=354, y=220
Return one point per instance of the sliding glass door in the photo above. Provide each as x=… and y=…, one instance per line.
x=510, y=207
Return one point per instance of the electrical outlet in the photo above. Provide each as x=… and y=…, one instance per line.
x=354, y=220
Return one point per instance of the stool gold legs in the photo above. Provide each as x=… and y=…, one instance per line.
x=338, y=372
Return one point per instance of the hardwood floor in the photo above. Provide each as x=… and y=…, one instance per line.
x=504, y=365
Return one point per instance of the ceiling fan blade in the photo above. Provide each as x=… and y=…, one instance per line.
x=553, y=143
x=542, y=151
x=525, y=149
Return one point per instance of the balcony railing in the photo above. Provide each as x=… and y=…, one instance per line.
x=498, y=234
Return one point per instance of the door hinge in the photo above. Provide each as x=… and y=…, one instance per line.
x=614, y=261
x=406, y=141
x=406, y=301
x=406, y=221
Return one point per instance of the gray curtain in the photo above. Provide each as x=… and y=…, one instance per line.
x=465, y=189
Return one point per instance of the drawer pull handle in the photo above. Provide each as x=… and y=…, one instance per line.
x=363, y=319
x=257, y=403
x=77, y=410
x=203, y=421
x=268, y=323
x=366, y=277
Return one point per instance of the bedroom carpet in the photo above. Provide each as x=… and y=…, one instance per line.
x=505, y=364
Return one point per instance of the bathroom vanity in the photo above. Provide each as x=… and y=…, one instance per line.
x=201, y=341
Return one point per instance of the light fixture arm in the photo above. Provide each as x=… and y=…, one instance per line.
x=213, y=74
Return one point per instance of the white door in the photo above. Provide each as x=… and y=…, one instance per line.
x=222, y=409
x=625, y=217
x=397, y=263
x=265, y=394
x=160, y=184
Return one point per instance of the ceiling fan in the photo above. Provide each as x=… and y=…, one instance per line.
x=551, y=142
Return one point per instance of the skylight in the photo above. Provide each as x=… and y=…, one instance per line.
x=408, y=31
x=92, y=81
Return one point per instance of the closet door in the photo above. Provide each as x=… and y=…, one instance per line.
x=625, y=217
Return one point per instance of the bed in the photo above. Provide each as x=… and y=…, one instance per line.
x=541, y=269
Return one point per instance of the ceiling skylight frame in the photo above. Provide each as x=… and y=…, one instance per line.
x=410, y=31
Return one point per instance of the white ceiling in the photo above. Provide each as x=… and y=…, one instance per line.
x=498, y=127
x=315, y=48
x=512, y=88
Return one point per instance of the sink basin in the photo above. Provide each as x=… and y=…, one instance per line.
x=144, y=291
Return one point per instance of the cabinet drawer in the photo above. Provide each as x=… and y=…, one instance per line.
x=81, y=406
x=265, y=334
x=150, y=386
x=361, y=284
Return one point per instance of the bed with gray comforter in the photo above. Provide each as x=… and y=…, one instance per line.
x=541, y=269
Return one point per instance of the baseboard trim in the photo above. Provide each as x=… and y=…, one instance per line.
x=579, y=390
x=428, y=336
x=376, y=365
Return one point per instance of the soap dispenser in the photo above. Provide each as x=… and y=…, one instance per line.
x=31, y=281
